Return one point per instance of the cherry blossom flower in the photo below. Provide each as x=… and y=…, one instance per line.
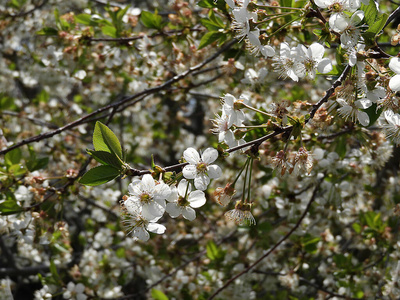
x=136, y=224
x=182, y=201
x=304, y=160
x=394, y=82
x=222, y=125
x=75, y=291
x=254, y=44
x=392, y=129
x=241, y=215
x=241, y=18
x=149, y=196
x=353, y=112
x=287, y=62
x=311, y=59
x=351, y=33
x=200, y=168
x=232, y=108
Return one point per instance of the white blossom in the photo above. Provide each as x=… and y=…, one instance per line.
x=200, y=168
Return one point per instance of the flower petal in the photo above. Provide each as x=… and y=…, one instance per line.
x=201, y=182
x=191, y=155
x=214, y=171
x=182, y=186
x=317, y=51
x=209, y=155
x=173, y=210
x=325, y=66
x=189, y=213
x=394, y=64
x=197, y=199
x=148, y=183
x=363, y=118
x=174, y=195
x=141, y=234
x=189, y=172
x=394, y=83
x=156, y=228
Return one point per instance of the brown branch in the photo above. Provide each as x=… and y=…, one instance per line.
x=273, y=248
x=150, y=91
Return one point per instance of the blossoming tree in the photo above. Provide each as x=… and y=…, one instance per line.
x=199, y=150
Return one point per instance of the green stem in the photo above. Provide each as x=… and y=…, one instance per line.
x=251, y=171
x=256, y=110
x=237, y=177
x=284, y=26
x=281, y=7
x=244, y=181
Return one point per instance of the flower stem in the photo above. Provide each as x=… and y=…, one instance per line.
x=251, y=171
x=277, y=7
x=237, y=177
x=256, y=110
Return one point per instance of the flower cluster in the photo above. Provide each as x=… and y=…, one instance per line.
x=147, y=199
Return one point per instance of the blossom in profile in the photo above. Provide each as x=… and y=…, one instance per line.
x=232, y=107
x=241, y=215
x=148, y=195
x=304, y=160
x=286, y=63
x=351, y=34
x=200, y=168
x=136, y=225
x=182, y=201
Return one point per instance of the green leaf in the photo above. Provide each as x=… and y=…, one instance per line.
x=376, y=27
x=106, y=158
x=37, y=164
x=49, y=31
x=10, y=207
x=213, y=252
x=17, y=169
x=105, y=140
x=99, y=175
x=370, y=12
x=85, y=19
x=13, y=157
x=151, y=20
x=209, y=38
x=158, y=295
x=357, y=227
x=110, y=31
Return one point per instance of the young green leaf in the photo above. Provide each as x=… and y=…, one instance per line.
x=158, y=295
x=47, y=31
x=106, y=158
x=99, y=175
x=151, y=20
x=13, y=157
x=9, y=207
x=105, y=140
x=370, y=12
x=209, y=38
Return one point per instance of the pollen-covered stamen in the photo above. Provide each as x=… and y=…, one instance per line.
x=145, y=198
x=201, y=167
x=182, y=201
x=336, y=7
x=309, y=64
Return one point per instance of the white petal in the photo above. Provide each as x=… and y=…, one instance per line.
x=156, y=228
x=325, y=66
x=338, y=22
x=189, y=171
x=214, y=171
x=321, y=3
x=174, y=195
x=363, y=118
x=209, y=155
x=230, y=3
x=197, y=199
x=182, y=186
x=132, y=206
x=131, y=186
x=188, y=213
x=317, y=51
x=141, y=234
x=394, y=64
x=267, y=51
x=173, y=210
x=253, y=37
x=148, y=182
x=149, y=212
x=201, y=182
x=357, y=17
x=229, y=99
x=363, y=103
x=394, y=83
x=191, y=155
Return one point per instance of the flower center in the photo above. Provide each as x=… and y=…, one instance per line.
x=182, y=201
x=201, y=167
x=336, y=7
x=145, y=198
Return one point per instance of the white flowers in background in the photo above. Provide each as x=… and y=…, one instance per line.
x=149, y=196
x=75, y=291
x=252, y=77
x=136, y=224
x=182, y=201
x=392, y=128
x=52, y=56
x=254, y=44
x=200, y=168
x=353, y=112
x=241, y=18
x=394, y=82
x=232, y=108
x=311, y=59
